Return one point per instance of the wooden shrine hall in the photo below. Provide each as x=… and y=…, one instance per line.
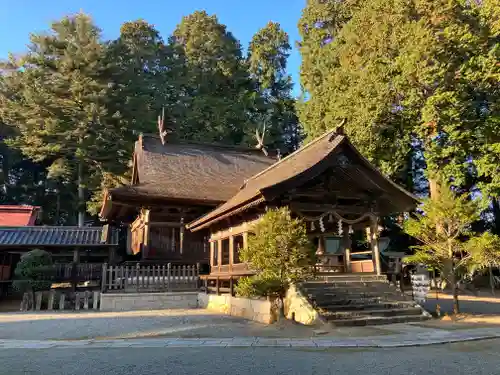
x=331, y=186
x=173, y=183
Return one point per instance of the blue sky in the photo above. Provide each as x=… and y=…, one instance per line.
x=243, y=18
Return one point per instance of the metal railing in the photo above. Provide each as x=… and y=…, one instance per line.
x=155, y=278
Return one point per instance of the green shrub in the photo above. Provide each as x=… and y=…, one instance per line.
x=31, y=273
x=279, y=253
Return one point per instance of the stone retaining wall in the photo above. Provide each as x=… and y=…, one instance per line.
x=258, y=310
x=148, y=301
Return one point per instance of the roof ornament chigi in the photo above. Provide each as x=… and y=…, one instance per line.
x=260, y=139
x=161, y=126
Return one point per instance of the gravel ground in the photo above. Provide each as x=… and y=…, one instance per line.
x=478, y=358
x=163, y=323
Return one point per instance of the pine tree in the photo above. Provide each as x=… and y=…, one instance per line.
x=148, y=75
x=57, y=97
x=447, y=242
x=267, y=63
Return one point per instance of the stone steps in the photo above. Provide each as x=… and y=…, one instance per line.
x=360, y=300
x=374, y=304
x=372, y=312
x=377, y=320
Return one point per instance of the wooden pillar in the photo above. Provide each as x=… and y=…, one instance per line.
x=231, y=252
x=219, y=253
x=321, y=246
x=212, y=245
x=172, y=242
x=245, y=240
x=372, y=235
x=346, y=242
x=146, y=232
x=181, y=241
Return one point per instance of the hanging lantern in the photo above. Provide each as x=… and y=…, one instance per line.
x=312, y=226
x=321, y=224
x=351, y=231
x=330, y=218
x=340, y=231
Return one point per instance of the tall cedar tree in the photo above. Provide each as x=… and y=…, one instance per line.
x=268, y=53
x=57, y=95
x=406, y=73
x=218, y=93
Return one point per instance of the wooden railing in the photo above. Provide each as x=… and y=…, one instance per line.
x=156, y=278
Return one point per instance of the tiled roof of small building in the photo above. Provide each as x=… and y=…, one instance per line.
x=56, y=236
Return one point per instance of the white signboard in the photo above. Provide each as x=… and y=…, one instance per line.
x=421, y=286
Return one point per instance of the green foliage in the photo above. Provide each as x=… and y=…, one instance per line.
x=447, y=243
x=72, y=96
x=57, y=96
x=407, y=75
x=267, y=62
x=217, y=86
x=279, y=252
x=484, y=251
x=441, y=228
x=30, y=273
x=259, y=286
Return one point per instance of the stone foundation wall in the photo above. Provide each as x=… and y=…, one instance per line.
x=148, y=301
x=297, y=307
x=252, y=309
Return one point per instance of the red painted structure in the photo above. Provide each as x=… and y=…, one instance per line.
x=16, y=216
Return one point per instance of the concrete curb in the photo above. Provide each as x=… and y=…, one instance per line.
x=393, y=341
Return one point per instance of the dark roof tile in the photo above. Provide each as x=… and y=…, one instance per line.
x=55, y=236
x=192, y=171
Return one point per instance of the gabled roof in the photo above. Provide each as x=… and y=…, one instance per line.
x=18, y=215
x=189, y=171
x=331, y=150
x=12, y=237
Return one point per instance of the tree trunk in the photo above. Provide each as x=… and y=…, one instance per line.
x=81, y=196
x=492, y=280
x=456, y=306
x=434, y=188
x=281, y=309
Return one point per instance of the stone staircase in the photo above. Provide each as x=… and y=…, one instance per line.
x=360, y=299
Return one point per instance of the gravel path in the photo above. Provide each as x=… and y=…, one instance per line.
x=163, y=323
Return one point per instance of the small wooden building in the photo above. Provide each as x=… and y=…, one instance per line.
x=331, y=186
x=172, y=184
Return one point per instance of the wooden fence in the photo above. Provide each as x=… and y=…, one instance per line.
x=152, y=278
